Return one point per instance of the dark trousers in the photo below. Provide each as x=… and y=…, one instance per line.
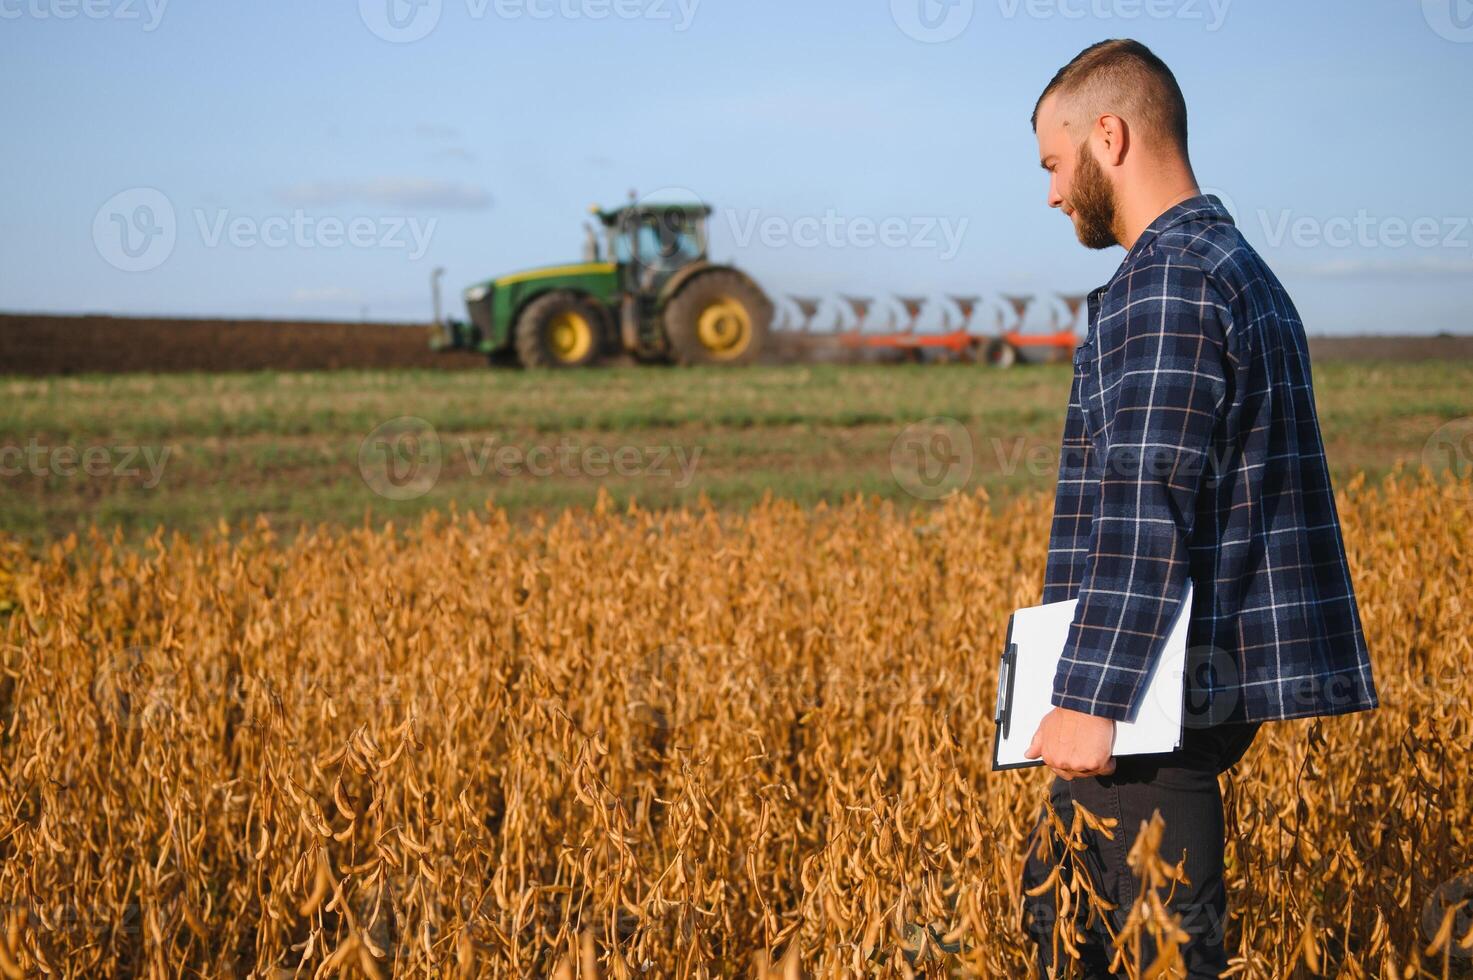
x=1182, y=785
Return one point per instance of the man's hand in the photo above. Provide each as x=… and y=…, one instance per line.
x=1072, y=744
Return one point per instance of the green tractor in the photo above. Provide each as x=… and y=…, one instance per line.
x=646, y=286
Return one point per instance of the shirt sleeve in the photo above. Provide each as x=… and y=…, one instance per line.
x=1161, y=385
x=1074, y=499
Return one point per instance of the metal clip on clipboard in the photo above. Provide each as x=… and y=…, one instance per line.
x=1006, y=672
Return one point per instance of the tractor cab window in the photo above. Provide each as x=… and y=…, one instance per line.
x=667, y=240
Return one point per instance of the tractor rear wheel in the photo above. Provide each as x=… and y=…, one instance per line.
x=561, y=329
x=719, y=317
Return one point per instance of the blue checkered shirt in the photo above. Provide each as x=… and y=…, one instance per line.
x=1192, y=448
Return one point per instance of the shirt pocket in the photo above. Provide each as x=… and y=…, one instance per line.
x=1085, y=349
x=1087, y=381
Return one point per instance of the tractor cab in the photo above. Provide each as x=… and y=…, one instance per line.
x=652, y=242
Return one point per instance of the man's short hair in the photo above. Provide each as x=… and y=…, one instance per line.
x=1124, y=78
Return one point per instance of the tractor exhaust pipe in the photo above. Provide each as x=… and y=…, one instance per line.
x=444, y=335
x=435, y=294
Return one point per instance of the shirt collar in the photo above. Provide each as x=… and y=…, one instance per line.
x=1208, y=207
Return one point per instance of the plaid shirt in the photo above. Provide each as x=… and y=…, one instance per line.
x=1192, y=448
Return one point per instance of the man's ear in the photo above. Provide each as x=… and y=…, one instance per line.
x=1111, y=137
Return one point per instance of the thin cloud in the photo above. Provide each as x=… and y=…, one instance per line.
x=458, y=153
x=408, y=193
x=1424, y=266
x=326, y=294
x=436, y=131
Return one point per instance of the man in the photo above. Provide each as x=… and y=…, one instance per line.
x=1191, y=450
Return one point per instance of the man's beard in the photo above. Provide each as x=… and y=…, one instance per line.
x=1093, y=201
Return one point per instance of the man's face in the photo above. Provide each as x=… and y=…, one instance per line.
x=1077, y=183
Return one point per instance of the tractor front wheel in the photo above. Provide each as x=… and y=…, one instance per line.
x=559, y=330
x=720, y=317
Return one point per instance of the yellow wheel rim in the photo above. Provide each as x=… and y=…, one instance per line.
x=569, y=337
x=724, y=328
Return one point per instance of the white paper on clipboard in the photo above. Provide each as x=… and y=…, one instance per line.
x=1034, y=644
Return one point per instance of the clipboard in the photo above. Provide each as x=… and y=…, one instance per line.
x=1035, y=642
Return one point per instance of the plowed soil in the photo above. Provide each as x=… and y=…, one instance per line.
x=35, y=344
x=32, y=344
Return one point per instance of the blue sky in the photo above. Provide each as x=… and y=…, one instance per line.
x=315, y=160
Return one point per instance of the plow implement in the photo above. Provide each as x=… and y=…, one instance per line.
x=997, y=332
